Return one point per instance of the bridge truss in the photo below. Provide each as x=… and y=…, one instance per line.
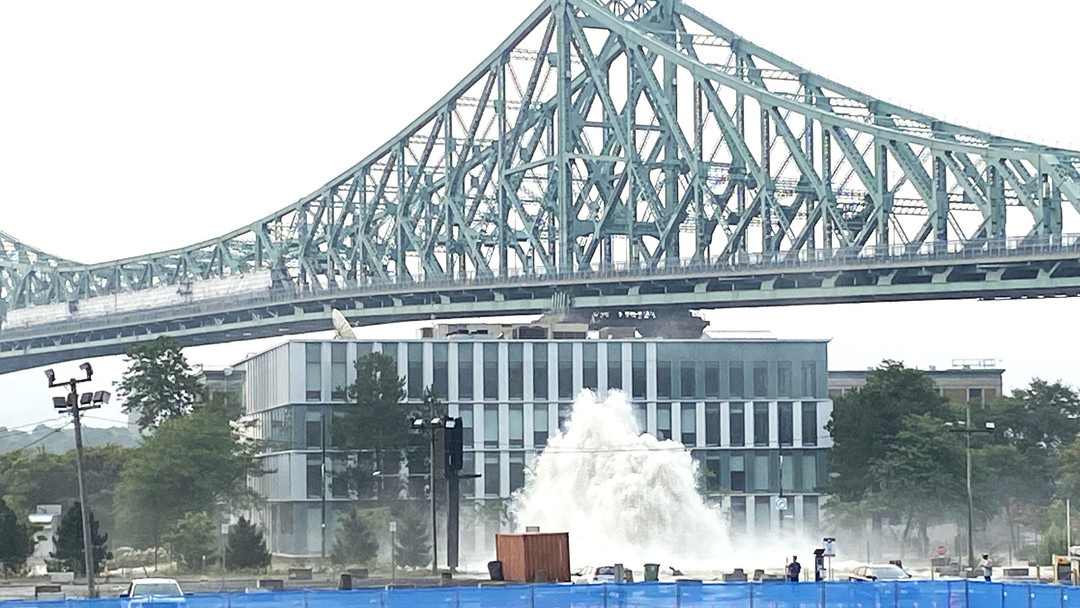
x=621, y=135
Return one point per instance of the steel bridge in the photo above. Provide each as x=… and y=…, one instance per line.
x=609, y=154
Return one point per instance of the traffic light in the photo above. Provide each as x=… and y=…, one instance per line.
x=453, y=446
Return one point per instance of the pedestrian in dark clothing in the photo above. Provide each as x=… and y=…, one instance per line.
x=794, y=569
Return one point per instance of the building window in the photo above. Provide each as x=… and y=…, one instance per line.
x=467, y=434
x=516, y=365
x=313, y=371
x=809, y=472
x=809, y=378
x=517, y=471
x=540, y=371
x=763, y=520
x=338, y=372
x=491, y=474
x=787, y=471
x=761, y=379
x=314, y=476
x=761, y=472
x=614, y=366
x=588, y=366
x=712, y=473
x=540, y=426
x=465, y=372
x=637, y=370
x=566, y=371
x=712, y=379
x=810, y=515
x=737, y=425
x=491, y=371
x=339, y=488
x=809, y=423
x=712, y=424
x=787, y=423
x=783, y=378
x=439, y=373
x=738, y=473
x=663, y=380
x=390, y=350
x=564, y=416
x=415, y=372
x=688, y=379
x=738, y=514
x=736, y=377
x=975, y=395
x=468, y=466
x=313, y=430
x=641, y=415
x=663, y=421
x=761, y=424
x=688, y=424
x=491, y=425
x=517, y=426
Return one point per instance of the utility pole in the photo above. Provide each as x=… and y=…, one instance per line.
x=968, y=432
x=74, y=404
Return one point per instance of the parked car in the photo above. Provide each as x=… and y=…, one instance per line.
x=595, y=575
x=879, y=572
x=152, y=591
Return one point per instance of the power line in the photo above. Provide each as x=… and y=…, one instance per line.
x=40, y=439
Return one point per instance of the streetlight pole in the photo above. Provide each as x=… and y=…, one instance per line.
x=431, y=425
x=74, y=404
x=968, y=432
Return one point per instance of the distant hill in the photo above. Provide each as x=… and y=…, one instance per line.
x=50, y=440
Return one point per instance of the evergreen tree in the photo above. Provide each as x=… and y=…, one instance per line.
x=412, y=536
x=69, y=542
x=355, y=542
x=247, y=547
x=191, y=538
x=158, y=383
x=16, y=540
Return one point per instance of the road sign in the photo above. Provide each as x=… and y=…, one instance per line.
x=942, y=550
x=393, y=526
x=781, y=503
x=830, y=547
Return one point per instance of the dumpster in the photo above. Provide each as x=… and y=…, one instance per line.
x=652, y=572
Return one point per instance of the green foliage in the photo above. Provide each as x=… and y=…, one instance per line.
x=188, y=465
x=355, y=543
x=413, y=535
x=865, y=422
x=29, y=479
x=69, y=542
x=247, y=548
x=158, y=383
x=190, y=539
x=16, y=540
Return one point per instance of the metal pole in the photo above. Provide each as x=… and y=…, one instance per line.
x=971, y=526
x=393, y=552
x=780, y=529
x=1068, y=526
x=88, y=551
x=434, y=532
x=322, y=492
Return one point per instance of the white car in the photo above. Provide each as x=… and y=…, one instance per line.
x=153, y=590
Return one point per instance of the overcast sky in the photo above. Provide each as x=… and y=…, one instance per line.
x=132, y=127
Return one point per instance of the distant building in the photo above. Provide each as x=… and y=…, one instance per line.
x=977, y=381
x=44, y=521
x=737, y=403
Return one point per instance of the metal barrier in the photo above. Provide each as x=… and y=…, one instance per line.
x=907, y=594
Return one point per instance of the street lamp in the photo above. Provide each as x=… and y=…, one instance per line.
x=968, y=431
x=419, y=424
x=73, y=403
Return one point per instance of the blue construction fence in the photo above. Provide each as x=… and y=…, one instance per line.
x=906, y=594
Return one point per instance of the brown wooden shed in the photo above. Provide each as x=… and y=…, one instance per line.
x=522, y=555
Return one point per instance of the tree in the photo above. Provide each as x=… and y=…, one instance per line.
x=247, y=548
x=412, y=537
x=377, y=422
x=865, y=422
x=355, y=542
x=16, y=540
x=69, y=542
x=190, y=539
x=158, y=383
x=188, y=465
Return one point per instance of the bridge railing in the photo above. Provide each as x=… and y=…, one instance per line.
x=904, y=594
x=741, y=263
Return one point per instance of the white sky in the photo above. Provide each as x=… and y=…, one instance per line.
x=132, y=127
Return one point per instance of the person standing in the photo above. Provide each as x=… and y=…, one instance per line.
x=987, y=566
x=794, y=569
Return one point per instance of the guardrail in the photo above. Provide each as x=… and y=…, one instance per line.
x=904, y=594
x=739, y=264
